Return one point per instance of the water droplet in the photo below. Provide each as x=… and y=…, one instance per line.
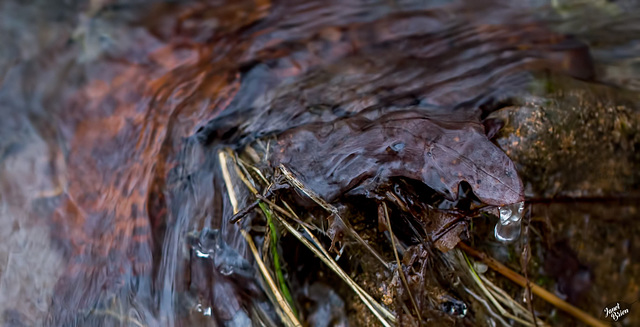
x=201, y=254
x=226, y=270
x=508, y=228
x=397, y=147
x=480, y=267
x=204, y=310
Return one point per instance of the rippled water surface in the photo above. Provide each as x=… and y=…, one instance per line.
x=107, y=118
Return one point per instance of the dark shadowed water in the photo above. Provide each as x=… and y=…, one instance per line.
x=110, y=113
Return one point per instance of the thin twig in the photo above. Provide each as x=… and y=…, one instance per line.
x=400, y=270
x=525, y=264
x=240, y=214
x=378, y=310
x=332, y=209
x=256, y=170
x=537, y=290
x=291, y=215
x=310, y=193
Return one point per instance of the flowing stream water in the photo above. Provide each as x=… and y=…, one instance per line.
x=110, y=204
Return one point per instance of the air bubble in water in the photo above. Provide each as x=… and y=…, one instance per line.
x=204, y=310
x=508, y=228
x=226, y=270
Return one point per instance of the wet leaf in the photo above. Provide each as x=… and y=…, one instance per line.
x=354, y=155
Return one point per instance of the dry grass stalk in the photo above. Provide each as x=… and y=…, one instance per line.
x=116, y=312
x=291, y=319
x=377, y=309
x=288, y=317
x=333, y=210
x=537, y=290
x=119, y=317
x=400, y=270
x=493, y=300
x=384, y=316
